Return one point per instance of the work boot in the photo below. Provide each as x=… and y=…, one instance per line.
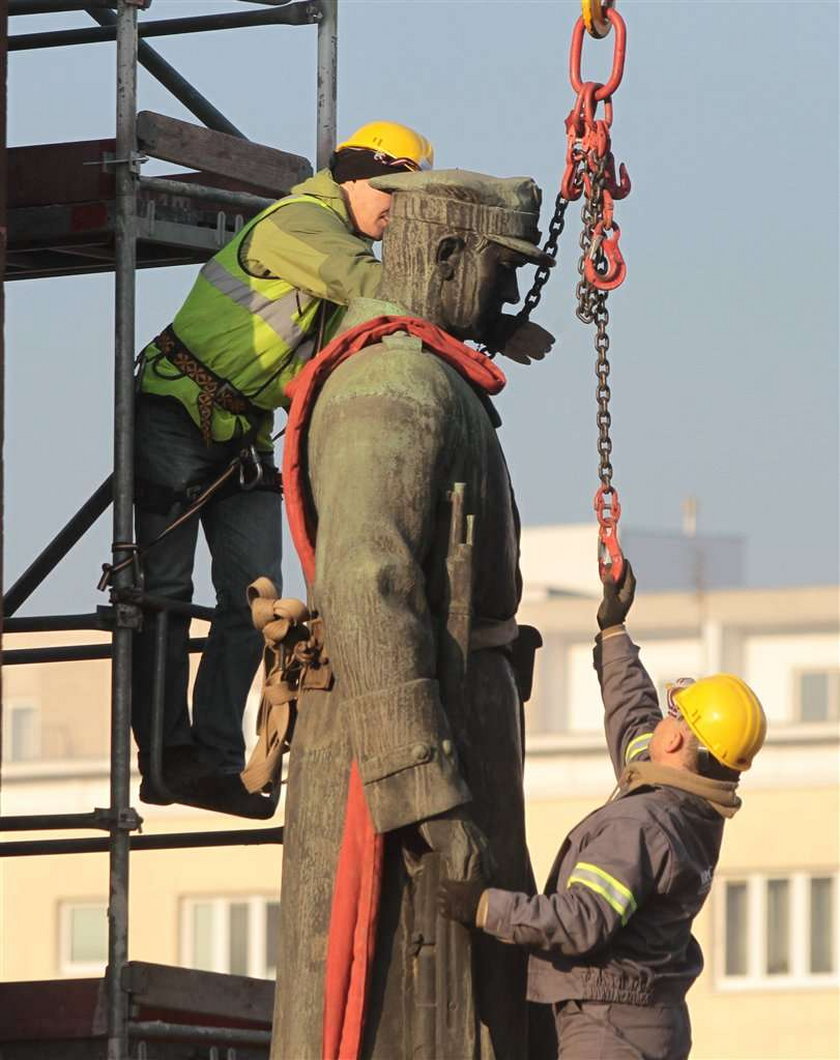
x=183, y=764
x=225, y=793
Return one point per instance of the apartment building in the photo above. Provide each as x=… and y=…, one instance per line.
x=771, y=927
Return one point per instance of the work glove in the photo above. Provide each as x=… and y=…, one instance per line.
x=458, y=900
x=520, y=340
x=618, y=599
x=462, y=844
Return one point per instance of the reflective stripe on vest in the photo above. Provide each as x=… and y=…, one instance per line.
x=254, y=332
x=619, y=897
x=638, y=745
x=277, y=313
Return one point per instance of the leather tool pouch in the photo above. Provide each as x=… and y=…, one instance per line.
x=293, y=660
x=523, y=652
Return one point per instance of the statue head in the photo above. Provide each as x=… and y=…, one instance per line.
x=453, y=244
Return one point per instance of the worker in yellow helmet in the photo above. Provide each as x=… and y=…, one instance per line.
x=610, y=940
x=209, y=385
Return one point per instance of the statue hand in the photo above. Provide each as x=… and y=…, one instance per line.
x=463, y=845
x=520, y=340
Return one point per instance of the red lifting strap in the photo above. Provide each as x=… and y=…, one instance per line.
x=358, y=878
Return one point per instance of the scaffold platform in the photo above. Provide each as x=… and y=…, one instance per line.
x=62, y=208
x=175, y=1014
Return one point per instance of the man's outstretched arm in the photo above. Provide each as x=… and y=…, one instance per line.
x=631, y=707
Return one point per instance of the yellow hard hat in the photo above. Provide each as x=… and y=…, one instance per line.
x=398, y=142
x=725, y=715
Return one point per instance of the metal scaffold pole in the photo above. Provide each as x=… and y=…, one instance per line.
x=125, y=170
x=327, y=81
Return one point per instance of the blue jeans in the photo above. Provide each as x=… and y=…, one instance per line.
x=243, y=532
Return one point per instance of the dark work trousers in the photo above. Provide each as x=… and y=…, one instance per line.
x=589, y=1030
x=243, y=532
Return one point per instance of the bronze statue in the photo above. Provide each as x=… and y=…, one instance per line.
x=409, y=724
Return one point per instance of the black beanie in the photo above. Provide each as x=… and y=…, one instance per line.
x=359, y=163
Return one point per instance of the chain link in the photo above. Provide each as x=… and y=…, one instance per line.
x=601, y=319
x=555, y=230
x=592, y=309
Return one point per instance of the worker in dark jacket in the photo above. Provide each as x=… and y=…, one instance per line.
x=610, y=940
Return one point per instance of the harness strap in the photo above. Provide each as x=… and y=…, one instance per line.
x=212, y=388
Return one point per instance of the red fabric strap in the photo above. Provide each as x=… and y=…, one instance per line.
x=352, y=936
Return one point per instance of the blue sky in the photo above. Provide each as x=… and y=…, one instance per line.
x=724, y=336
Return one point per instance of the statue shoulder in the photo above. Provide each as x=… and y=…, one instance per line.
x=397, y=369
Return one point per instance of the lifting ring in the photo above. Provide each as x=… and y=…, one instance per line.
x=602, y=92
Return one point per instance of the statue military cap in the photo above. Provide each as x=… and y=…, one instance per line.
x=505, y=210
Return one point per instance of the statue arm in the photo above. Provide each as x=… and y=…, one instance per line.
x=379, y=447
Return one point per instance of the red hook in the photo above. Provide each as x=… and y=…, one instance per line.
x=610, y=556
x=616, y=269
x=618, y=187
x=619, y=52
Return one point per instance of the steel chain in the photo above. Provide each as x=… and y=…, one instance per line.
x=601, y=318
x=592, y=309
x=555, y=230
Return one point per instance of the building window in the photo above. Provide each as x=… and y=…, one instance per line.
x=778, y=931
x=818, y=695
x=736, y=929
x=823, y=925
x=83, y=946
x=234, y=935
x=21, y=732
x=778, y=927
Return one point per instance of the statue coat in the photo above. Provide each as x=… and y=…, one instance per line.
x=393, y=429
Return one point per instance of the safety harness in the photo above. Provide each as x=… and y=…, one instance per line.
x=212, y=389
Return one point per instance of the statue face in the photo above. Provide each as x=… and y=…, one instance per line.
x=481, y=283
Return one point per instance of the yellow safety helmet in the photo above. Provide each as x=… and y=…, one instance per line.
x=398, y=142
x=725, y=715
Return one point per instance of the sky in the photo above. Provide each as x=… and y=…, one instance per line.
x=724, y=336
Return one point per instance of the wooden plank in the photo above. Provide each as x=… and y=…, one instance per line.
x=195, y=147
x=223, y=997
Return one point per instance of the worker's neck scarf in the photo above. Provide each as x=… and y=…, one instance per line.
x=720, y=794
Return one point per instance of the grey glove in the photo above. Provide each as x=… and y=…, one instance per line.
x=461, y=842
x=618, y=599
x=520, y=340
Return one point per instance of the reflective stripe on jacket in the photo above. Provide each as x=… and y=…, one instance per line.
x=614, y=923
x=259, y=306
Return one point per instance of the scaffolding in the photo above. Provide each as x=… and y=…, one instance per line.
x=122, y=221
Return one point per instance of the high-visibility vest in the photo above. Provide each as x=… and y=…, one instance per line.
x=255, y=333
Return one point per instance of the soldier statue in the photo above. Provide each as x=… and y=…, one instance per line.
x=406, y=761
